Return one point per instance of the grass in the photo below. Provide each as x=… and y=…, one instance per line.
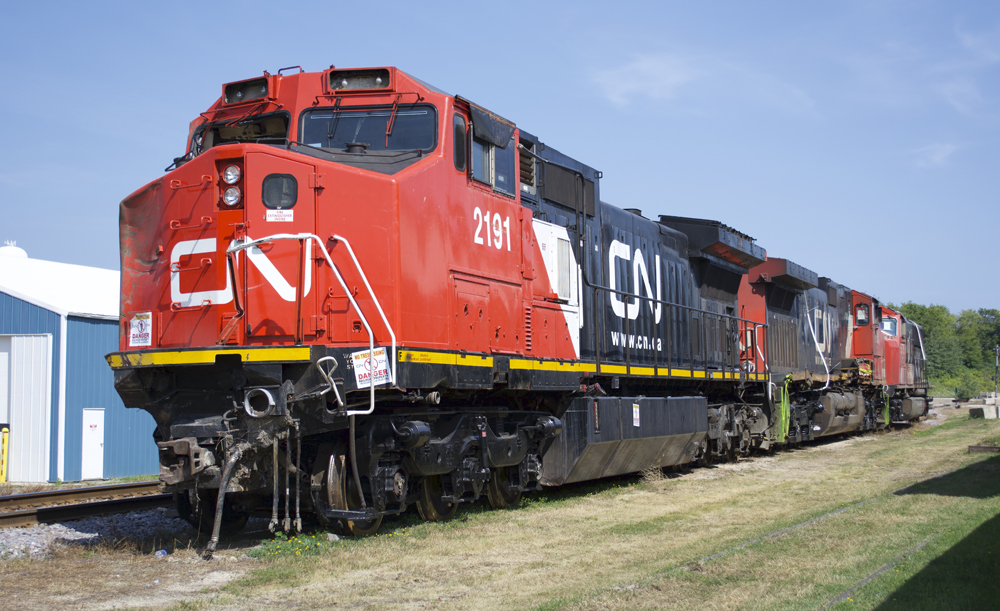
x=658, y=540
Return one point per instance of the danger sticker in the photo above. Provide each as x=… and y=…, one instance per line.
x=635, y=414
x=376, y=368
x=280, y=216
x=141, y=330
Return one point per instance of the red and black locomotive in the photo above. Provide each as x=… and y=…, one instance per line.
x=355, y=293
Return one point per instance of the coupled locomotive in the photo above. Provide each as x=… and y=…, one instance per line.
x=356, y=293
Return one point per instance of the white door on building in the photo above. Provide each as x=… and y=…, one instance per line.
x=93, y=444
x=29, y=401
x=4, y=380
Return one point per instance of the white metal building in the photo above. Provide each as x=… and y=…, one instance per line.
x=57, y=397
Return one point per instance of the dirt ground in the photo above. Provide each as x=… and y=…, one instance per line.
x=106, y=577
x=587, y=547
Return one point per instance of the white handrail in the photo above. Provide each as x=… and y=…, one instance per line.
x=812, y=330
x=372, y=293
x=238, y=245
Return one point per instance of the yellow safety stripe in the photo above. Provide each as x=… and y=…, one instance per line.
x=120, y=360
x=552, y=365
x=621, y=369
x=205, y=357
x=445, y=358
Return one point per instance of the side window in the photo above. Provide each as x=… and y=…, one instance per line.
x=460, y=141
x=482, y=161
x=493, y=165
x=504, y=177
x=889, y=326
x=861, y=314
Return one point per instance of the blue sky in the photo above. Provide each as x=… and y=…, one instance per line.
x=859, y=139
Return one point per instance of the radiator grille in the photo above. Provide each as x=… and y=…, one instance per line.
x=527, y=165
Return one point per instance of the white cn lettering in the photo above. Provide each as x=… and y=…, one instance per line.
x=618, y=250
x=190, y=248
x=267, y=269
x=254, y=255
x=639, y=269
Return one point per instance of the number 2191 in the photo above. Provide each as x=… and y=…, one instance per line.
x=494, y=229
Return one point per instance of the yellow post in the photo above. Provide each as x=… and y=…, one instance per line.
x=3, y=455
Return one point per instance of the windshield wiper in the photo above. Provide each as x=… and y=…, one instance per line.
x=377, y=154
x=332, y=130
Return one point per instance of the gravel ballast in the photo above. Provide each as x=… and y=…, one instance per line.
x=38, y=541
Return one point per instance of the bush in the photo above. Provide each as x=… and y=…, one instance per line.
x=968, y=385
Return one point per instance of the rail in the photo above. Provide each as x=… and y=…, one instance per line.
x=239, y=245
x=26, y=509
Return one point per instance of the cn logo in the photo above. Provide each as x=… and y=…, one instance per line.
x=619, y=250
x=254, y=255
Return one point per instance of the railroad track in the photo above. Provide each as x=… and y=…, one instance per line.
x=75, y=503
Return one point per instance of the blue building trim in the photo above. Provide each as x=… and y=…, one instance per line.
x=18, y=317
x=128, y=433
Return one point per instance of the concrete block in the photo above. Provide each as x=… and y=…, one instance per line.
x=989, y=412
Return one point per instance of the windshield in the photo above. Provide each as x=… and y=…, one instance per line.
x=413, y=127
x=264, y=129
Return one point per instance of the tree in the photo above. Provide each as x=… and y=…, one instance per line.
x=989, y=331
x=970, y=335
x=941, y=342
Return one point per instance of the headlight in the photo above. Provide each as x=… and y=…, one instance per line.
x=231, y=197
x=231, y=175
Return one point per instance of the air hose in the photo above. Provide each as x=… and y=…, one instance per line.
x=784, y=409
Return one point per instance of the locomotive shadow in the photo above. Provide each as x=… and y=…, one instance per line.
x=964, y=577
x=979, y=480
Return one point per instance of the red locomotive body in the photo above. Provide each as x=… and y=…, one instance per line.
x=387, y=295
x=868, y=345
x=409, y=216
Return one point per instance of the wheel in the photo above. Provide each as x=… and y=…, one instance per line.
x=339, y=492
x=430, y=505
x=233, y=521
x=731, y=453
x=501, y=490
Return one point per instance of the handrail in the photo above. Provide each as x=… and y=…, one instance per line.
x=239, y=245
x=690, y=310
x=378, y=306
x=812, y=330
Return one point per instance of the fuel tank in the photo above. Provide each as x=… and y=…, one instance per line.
x=842, y=412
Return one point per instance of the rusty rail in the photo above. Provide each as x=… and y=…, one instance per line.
x=983, y=449
x=31, y=508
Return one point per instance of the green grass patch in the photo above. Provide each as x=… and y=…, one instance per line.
x=918, y=524
x=318, y=542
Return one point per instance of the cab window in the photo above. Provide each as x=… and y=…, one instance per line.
x=460, y=138
x=494, y=165
x=861, y=314
x=889, y=326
